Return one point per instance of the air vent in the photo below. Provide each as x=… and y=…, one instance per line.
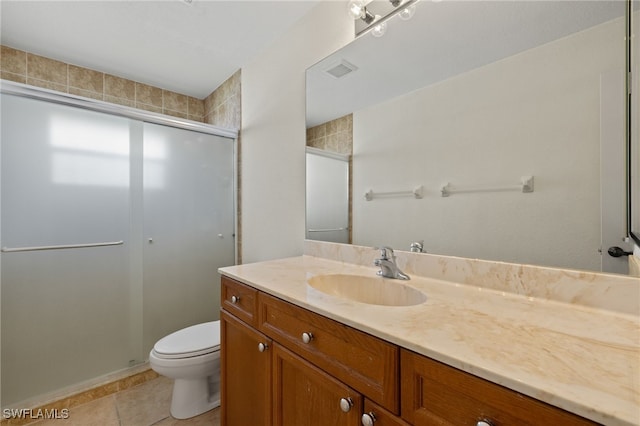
x=341, y=69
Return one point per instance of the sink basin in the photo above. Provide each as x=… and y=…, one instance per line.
x=370, y=290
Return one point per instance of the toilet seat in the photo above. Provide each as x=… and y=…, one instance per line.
x=197, y=340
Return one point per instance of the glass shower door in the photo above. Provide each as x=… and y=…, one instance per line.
x=66, y=301
x=189, y=227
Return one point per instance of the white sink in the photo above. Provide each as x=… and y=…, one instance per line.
x=372, y=290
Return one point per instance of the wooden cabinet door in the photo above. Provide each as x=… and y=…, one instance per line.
x=245, y=374
x=304, y=395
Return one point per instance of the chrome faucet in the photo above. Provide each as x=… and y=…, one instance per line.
x=387, y=264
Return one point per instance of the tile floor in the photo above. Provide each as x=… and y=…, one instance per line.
x=143, y=405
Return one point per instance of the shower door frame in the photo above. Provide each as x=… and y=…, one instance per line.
x=40, y=94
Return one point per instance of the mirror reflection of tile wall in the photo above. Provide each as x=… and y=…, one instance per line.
x=334, y=136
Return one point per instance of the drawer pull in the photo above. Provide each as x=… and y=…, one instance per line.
x=235, y=299
x=262, y=347
x=368, y=419
x=346, y=404
x=484, y=422
x=307, y=337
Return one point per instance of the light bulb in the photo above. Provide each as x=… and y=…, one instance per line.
x=407, y=13
x=379, y=29
x=356, y=9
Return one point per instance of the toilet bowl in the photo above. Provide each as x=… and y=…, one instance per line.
x=191, y=357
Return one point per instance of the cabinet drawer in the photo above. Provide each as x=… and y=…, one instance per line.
x=436, y=394
x=364, y=362
x=239, y=299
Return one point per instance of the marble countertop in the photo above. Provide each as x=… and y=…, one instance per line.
x=582, y=359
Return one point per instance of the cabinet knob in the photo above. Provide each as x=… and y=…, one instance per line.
x=346, y=404
x=307, y=337
x=484, y=422
x=262, y=347
x=368, y=419
x=235, y=299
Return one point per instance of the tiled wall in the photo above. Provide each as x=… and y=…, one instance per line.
x=222, y=107
x=23, y=67
x=334, y=136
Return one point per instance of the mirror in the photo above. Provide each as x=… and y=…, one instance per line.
x=484, y=129
x=634, y=146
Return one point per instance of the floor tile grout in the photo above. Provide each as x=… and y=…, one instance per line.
x=146, y=404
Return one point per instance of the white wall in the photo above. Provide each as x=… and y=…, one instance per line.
x=536, y=113
x=273, y=132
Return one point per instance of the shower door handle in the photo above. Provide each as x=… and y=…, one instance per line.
x=60, y=247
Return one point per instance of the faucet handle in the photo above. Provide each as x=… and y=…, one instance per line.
x=417, y=246
x=386, y=252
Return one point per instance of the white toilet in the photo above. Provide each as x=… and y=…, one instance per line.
x=191, y=357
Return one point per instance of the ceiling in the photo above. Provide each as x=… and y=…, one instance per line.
x=190, y=48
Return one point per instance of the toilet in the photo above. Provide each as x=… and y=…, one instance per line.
x=191, y=357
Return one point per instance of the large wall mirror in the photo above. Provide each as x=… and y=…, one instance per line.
x=485, y=129
x=634, y=128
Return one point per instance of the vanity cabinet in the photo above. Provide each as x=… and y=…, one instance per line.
x=284, y=365
x=436, y=394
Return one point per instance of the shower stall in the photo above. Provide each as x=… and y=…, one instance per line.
x=113, y=225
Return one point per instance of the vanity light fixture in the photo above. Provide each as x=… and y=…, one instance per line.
x=358, y=10
x=372, y=15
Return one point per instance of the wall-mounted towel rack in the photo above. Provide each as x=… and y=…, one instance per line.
x=526, y=185
x=59, y=247
x=415, y=192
